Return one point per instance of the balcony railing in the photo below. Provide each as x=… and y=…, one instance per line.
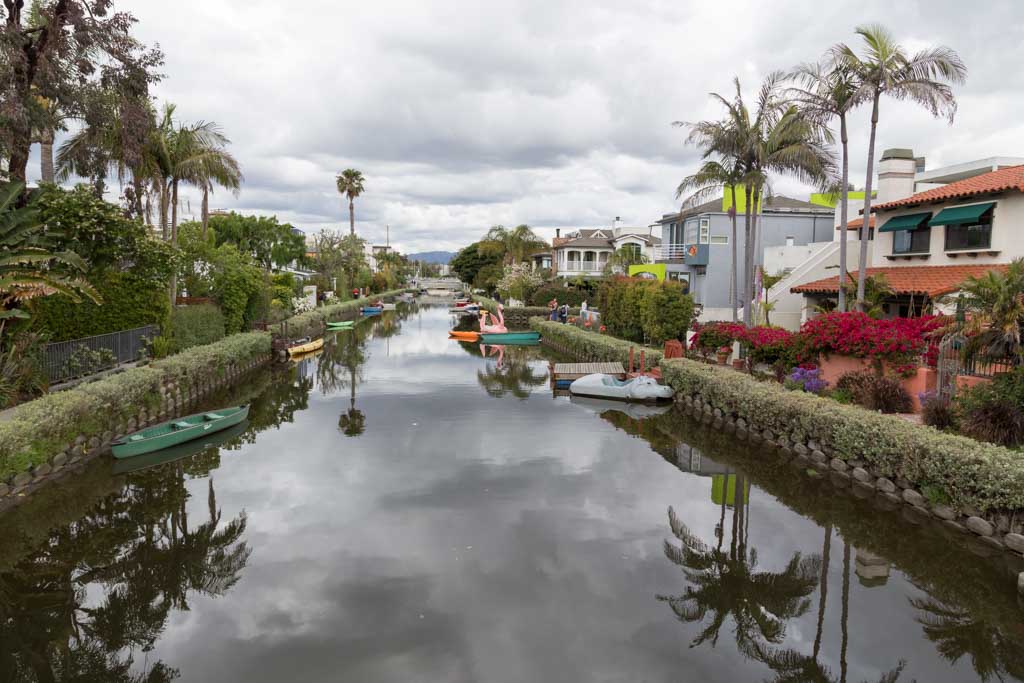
x=670, y=252
x=581, y=266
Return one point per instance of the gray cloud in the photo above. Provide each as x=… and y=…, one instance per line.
x=463, y=115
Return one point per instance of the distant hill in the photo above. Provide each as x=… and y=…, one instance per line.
x=442, y=257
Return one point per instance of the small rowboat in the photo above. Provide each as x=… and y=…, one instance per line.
x=370, y=310
x=180, y=452
x=469, y=336
x=511, y=338
x=341, y=325
x=178, y=431
x=305, y=346
x=389, y=307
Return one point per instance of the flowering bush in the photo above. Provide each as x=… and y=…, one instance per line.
x=857, y=334
x=805, y=379
x=763, y=344
x=714, y=335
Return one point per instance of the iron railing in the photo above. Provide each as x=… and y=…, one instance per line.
x=670, y=252
x=80, y=357
x=581, y=266
x=953, y=362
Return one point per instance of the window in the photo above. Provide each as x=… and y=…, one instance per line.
x=719, y=239
x=681, y=278
x=691, y=233
x=705, y=230
x=633, y=249
x=912, y=241
x=976, y=236
x=790, y=240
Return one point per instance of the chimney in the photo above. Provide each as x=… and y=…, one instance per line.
x=558, y=233
x=896, y=175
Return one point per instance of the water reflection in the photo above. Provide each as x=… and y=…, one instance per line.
x=510, y=370
x=970, y=612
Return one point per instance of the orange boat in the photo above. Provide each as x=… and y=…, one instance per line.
x=469, y=336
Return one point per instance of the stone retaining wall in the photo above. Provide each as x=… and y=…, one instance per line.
x=1000, y=531
x=175, y=400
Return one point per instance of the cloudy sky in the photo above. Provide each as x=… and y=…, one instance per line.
x=554, y=113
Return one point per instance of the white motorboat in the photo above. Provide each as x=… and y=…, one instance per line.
x=639, y=389
x=388, y=307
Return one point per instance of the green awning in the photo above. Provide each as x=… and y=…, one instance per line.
x=960, y=215
x=910, y=221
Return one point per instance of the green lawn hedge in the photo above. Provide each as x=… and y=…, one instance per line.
x=196, y=325
x=40, y=429
x=964, y=472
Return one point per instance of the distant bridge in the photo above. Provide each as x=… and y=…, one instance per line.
x=448, y=283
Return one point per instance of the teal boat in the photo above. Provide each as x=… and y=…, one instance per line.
x=511, y=338
x=180, y=452
x=178, y=431
x=341, y=324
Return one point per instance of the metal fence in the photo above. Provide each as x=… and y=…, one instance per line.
x=952, y=363
x=79, y=357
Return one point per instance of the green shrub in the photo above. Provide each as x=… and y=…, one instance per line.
x=994, y=411
x=591, y=345
x=128, y=301
x=637, y=309
x=39, y=429
x=937, y=411
x=196, y=325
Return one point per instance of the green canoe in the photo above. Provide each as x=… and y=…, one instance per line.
x=180, y=452
x=178, y=431
x=510, y=338
x=341, y=325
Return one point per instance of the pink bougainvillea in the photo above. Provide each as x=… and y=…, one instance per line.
x=859, y=335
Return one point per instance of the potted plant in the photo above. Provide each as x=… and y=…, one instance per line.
x=723, y=354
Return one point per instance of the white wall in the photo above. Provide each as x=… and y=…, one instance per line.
x=787, y=258
x=1007, y=223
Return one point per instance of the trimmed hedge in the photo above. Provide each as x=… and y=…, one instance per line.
x=591, y=345
x=40, y=429
x=196, y=325
x=311, y=322
x=968, y=472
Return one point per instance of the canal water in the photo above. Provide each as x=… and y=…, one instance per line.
x=402, y=507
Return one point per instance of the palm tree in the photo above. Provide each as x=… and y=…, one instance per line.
x=29, y=266
x=995, y=302
x=709, y=179
x=220, y=170
x=350, y=184
x=829, y=90
x=777, y=137
x=513, y=245
x=884, y=68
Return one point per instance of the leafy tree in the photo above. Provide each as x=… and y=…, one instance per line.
x=59, y=52
x=884, y=68
x=270, y=243
x=511, y=245
x=339, y=256
x=350, y=184
x=519, y=281
x=466, y=265
x=994, y=303
x=625, y=256
x=31, y=264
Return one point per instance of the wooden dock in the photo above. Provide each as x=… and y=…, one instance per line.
x=562, y=374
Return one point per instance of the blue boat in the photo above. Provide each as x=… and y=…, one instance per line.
x=370, y=310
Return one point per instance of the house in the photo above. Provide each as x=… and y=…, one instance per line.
x=696, y=244
x=928, y=242
x=585, y=253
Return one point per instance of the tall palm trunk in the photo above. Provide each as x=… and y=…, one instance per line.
x=733, y=265
x=844, y=210
x=206, y=210
x=351, y=217
x=165, y=204
x=823, y=589
x=46, y=156
x=865, y=230
x=174, y=238
x=748, y=254
x=755, y=294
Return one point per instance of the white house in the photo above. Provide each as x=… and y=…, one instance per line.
x=586, y=252
x=927, y=243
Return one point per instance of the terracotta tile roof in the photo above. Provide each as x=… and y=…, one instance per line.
x=931, y=280
x=856, y=223
x=1010, y=178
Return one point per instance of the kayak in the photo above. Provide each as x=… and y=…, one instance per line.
x=180, y=452
x=341, y=324
x=639, y=389
x=469, y=336
x=178, y=431
x=370, y=310
x=306, y=347
x=510, y=337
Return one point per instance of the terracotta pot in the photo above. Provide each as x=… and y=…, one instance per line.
x=723, y=358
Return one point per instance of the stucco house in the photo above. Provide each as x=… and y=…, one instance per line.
x=927, y=243
x=695, y=244
x=585, y=253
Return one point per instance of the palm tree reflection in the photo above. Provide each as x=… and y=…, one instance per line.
x=958, y=632
x=727, y=583
x=511, y=373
